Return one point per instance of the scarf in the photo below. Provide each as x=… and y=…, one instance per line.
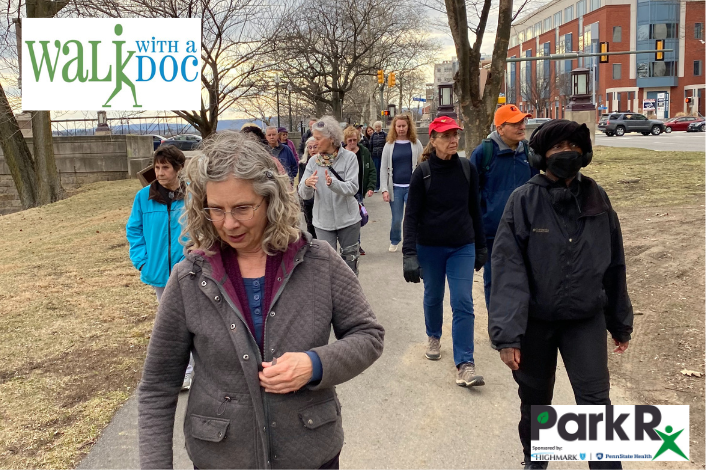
x=325, y=159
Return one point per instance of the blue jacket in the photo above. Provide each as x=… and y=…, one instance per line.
x=509, y=169
x=286, y=157
x=154, y=235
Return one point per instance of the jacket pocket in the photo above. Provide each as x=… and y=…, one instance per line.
x=317, y=415
x=209, y=429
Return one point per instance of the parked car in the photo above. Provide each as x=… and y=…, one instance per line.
x=184, y=141
x=621, y=123
x=697, y=126
x=679, y=123
x=157, y=140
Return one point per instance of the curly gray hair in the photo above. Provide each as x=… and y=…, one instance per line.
x=232, y=153
x=330, y=129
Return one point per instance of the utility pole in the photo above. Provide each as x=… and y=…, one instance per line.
x=289, y=99
x=277, y=93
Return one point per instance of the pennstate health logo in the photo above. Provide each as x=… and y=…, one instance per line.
x=117, y=64
x=620, y=432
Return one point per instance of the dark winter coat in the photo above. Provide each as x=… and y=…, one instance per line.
x=377, y=143
x=540, y=271
x=366, y=170
x=302, y=144
x=230, y=421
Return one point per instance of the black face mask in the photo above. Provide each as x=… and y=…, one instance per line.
x=565, y=165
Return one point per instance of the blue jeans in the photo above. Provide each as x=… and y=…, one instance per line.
x=397, y=206
x=456, y=264
x=487, y=272
x=377, y=162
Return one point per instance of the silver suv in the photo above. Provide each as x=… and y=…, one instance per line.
x=620, y=123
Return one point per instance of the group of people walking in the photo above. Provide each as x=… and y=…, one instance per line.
x=252, y=297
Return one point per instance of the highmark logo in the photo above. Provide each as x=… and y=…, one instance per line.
x=121, y=64
x=612, y=432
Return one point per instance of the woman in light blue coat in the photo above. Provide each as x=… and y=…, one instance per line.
x=154, y=229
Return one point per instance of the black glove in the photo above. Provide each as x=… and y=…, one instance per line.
x=481, y=257
x=410, y=266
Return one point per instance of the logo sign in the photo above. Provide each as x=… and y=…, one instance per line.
x=620, y=432
x=648, y=104
x=122, y=64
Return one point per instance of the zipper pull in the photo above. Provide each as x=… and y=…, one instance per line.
x=222, y=407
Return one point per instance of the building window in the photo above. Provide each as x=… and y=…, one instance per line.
x=663, y=31
x=568, y=14
x=547, y=24
x=698, y=30
x=616, y=71
x=521, y=36
x=580, y=8
x=595, y=4
x=557, y=19
x=697, y=68
x=617, y=33
x=528, y=34
x=662, y=69
x=537, y=28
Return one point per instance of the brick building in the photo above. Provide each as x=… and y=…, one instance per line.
x=635, y=82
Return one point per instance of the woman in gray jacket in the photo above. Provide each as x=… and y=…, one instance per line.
x=242, y=302
x=331, y=178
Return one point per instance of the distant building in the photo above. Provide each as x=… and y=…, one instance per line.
x=635, y=82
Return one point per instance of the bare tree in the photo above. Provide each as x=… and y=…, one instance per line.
x=329, y=45
x=477, y=107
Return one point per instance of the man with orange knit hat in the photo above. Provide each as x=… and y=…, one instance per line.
x=502, y=165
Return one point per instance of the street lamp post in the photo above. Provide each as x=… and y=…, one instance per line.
x=277, y=93
x=289, y=99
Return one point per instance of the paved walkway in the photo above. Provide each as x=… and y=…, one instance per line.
x=405, y=411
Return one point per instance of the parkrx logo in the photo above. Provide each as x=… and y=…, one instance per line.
x=121, y=64
x=639, y=432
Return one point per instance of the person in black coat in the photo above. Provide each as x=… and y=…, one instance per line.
x=306, y=136
x=377, y=143
x=559, y=280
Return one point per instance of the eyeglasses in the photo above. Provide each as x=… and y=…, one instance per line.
x=454, y=136
x=517, y=124
x=240, y=213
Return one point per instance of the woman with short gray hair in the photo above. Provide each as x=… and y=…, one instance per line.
x=336, y=215
x=247, y=271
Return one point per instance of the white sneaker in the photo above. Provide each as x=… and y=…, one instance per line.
x=393, y=248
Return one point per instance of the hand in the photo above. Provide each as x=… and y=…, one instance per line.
x=412, y=270
x=386, y=196
x=312, y=180
x=511, y=357
x=328, y=178
x=292, y=372
x=369, y=193
x=481, y=258
x=621, y=347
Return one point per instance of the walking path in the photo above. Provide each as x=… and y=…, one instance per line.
x=405, y=411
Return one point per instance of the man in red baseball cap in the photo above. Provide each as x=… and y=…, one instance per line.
x=502, y=165
x=444, y=240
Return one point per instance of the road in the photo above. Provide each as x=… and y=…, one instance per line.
x=684, y=141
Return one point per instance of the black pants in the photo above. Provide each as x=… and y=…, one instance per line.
x=308, y=208
x=582, y=344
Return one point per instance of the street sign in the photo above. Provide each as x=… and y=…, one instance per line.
x=423, y=100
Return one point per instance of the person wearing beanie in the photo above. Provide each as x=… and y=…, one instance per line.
x=559, y=279
x=284, y=140
x=502, y=165
x=443, y=239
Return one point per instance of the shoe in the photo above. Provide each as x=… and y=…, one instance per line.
x=433, y=349
x=188, y=378
x=528, y=464
x=393, y=248
x=466, y=376
x=376, y=191
x=361, y=251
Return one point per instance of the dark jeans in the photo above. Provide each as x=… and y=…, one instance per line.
x=487, y=273
x=377, y=162
x=582, y=344
x=456, y=264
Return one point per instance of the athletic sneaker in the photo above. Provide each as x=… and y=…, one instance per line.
x=188, y=378
x=393, y=248
x=433, y=349
x=466, y=376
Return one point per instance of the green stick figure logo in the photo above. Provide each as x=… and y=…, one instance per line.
x=120, y=76
x=668, y=442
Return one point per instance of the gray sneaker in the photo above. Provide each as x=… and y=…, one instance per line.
x=433, y=349
x=188, y=378
x=466, y=376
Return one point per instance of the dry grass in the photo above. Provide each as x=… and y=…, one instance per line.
x=666, y=178
x=74, y=325
x=75, y=318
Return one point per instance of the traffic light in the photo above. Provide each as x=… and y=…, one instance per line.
x=391, y=79
x=381, y=77
x=604, y=48
x=384, y=113
x=687, y=100
x=659, y=45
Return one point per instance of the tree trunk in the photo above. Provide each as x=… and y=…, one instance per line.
x=336, y=104
x=49, y=189
x=17, y=154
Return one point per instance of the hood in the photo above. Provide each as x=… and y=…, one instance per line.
x=157, y=196
x=594, y=202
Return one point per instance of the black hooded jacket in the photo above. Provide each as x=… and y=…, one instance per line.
x=540, y=270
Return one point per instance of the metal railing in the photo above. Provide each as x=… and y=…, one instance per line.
x=165, y=125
